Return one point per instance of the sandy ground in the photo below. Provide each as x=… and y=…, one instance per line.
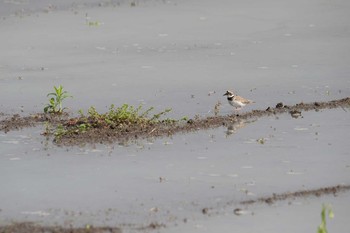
x=183, y=55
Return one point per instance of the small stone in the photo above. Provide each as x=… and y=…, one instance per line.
x=238, y=211
x=190, y=121
x=295, y=113
x=205, y=210
x=279, y=105
x=269, y=201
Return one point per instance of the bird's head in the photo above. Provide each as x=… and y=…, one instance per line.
x=229, y=93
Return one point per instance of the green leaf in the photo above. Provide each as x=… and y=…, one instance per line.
x=54, y=94
x=330, y=213
x=46, y=109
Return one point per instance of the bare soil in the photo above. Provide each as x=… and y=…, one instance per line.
x=109, y=135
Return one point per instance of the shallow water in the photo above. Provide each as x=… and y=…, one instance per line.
x=182, y=55
x=170, y=179
x=147, y=55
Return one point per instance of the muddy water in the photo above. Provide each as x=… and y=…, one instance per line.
x=183, y=55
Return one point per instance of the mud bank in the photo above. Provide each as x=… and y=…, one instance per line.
x=161, y=129
x=299, y=194
x=34, y=228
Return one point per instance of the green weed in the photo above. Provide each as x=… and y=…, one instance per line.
x=60, y=131
x=261, y=141
x=122, y=118
x=48, y=128
x=322, y=228
x=185, y=118
x=55, y=102
x=93, y=23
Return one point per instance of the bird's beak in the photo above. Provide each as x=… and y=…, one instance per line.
x=225, y=94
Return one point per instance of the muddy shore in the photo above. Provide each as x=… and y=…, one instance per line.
x=270, y=167
x=109, y=135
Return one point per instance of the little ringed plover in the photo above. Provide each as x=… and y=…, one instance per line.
x=237, y=101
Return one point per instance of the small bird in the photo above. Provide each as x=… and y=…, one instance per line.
x=237, y=101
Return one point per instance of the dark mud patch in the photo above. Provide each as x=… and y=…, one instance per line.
x=152, y=226
x=298, y=194
x=35, y=228
x=17, y=122
x=160, y=129
x=287, y=196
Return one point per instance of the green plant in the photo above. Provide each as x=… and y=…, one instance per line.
x=60, y=131
x=261, y=140
x=94, y=23
x=126, y=115
x=83, y=127
x=158, y=115
x=48, y=127
x=124, y=119
x=322, y=228
x=81, y=112
x=185, y=118
x=55, y=102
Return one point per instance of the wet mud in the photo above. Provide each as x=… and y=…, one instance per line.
x=17, y=122
x=278, y=197
x=161, y=129
x=298, y=194
x=29, y=227
x=35, y=228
